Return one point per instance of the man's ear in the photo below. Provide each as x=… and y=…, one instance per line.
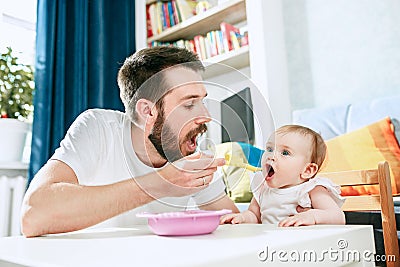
x=146, y=110
x=309, y=171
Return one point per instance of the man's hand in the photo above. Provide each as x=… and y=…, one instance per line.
x=188, y=175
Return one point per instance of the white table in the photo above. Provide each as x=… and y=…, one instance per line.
x=229, y=245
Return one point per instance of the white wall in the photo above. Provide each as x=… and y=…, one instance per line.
x=268, y=60
x=231, y=83
x=18, y=28
x=341, y=51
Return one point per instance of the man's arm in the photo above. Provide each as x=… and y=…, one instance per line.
x=223, y=203
x=55, y=202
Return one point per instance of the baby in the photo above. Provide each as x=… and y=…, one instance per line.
x=289, y=164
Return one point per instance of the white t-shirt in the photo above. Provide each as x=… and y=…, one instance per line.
x=277, y=204
x=99, y=149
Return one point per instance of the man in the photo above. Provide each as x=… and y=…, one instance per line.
x=112, y=165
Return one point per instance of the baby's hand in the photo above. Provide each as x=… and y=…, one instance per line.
x=233, y=218
x=304, y=218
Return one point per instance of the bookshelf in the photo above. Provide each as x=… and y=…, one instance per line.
x=232, y=12
x=263, y=60
x=237, y=59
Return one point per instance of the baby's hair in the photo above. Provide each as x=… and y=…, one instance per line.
x=318, y=152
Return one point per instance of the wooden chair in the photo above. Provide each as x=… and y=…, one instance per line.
x=382, y=202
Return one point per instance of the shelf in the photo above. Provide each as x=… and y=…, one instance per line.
x=236, y=59
x=231, y=12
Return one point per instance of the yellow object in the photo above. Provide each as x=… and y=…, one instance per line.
x=237, y=180
x=237, y=162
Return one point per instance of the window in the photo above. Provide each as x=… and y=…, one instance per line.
x=18, y=28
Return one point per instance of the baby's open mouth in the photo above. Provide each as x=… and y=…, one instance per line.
x=270, y=173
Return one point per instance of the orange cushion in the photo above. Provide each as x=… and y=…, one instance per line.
x=363, y=149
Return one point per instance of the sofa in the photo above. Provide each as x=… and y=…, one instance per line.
x=337, y=120
x=347, y=122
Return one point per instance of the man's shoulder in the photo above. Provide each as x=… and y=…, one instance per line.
x=105, y=115
x=100, y=118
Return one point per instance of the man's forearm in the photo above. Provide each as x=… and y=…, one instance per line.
x=55, y=202
x=222, y=203
x=64, y=207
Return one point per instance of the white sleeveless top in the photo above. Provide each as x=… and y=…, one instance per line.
x=277, y=204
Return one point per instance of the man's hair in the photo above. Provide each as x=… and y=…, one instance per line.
x=143, y=65
x=318, y=152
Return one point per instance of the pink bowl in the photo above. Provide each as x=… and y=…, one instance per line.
x=193, y=222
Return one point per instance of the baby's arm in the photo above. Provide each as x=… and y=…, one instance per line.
x=251, y=215
x=324, y=211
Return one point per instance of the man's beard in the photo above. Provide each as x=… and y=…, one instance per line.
x=167, y=142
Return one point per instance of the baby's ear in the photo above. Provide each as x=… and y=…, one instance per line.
x=309, y=171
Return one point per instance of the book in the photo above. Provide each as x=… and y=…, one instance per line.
x=203, y=47
x=171, y=14
x=159, y=17
x=207, y=45
x=165, y=14
x=149, y=25
x=235, y=39
x=212, y=42
x=190, y=45
x=220, y=42
x=175, y=10
x=200, y=49
x=226, y=30
x=153, y=20
x=244, y=36
x=186, y=8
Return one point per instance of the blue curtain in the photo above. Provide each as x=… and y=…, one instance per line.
x=80, y=46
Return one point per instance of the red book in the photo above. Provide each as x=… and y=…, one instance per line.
x=192, y=46
x=226, y=30
x=166, y=15
x=197, y=44
x=148, y=22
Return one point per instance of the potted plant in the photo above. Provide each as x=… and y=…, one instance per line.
x=16, y=107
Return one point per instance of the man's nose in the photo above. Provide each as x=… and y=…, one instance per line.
x=203, y=117
x=202, y=120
